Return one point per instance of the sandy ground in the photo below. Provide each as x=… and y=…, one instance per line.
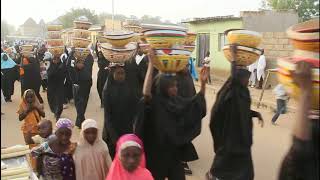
x=270, y=142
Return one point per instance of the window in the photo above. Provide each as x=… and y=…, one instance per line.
x=222, y=41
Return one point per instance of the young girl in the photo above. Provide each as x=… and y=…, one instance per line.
x=129, y=162
x=30, y=112
x=92, y=160
x=55, y=156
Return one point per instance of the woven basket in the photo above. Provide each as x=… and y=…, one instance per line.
x=190, y=39
x=81, y=33
x=118, y=55
x=54, y=34
x=244, y=38
x=245, y=55
x=285, y=67
x=54, y=42
x=81, y=53
x=81, y=25
x=56, y=51
x=171, y=60
x=54, y=27
x=80, y=42
x=305, y=36
x=27, y=47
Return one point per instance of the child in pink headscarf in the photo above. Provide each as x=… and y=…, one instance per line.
x=129, y=162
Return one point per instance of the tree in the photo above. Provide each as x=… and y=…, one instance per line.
x=306, y=8
x=6, y=29
x=68, y=18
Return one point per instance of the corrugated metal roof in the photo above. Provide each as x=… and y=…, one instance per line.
x=212, y=19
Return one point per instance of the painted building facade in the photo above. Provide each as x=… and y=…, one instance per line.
x=271, y=24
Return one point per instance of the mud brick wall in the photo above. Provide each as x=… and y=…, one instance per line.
x=275, y=45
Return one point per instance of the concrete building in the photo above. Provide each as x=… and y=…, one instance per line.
x=31, y=29
x=272, y=25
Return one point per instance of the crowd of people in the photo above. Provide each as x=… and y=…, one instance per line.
x=150, y=119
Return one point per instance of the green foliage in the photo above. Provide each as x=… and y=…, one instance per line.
x=306, y=8
x=68, y=18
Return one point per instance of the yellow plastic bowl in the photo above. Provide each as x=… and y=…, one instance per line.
x=171, y=60
x=244, y=38
x=285, y=78
x=245, y=55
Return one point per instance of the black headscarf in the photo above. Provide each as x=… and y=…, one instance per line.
x=231, y=123
x=185, y=84
x=119, y=107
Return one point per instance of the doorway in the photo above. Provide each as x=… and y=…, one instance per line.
x=203, y=47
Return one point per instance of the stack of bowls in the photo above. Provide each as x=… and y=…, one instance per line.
x=168, y=43
x=26, y=50
x=80, y=38
x=247, y=41
x=120, y=46
x=190, y=41
x=54, y=40
x=305, y=39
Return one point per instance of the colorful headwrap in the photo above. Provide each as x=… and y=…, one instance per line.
x=64, y=123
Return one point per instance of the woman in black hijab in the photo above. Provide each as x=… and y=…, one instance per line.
x=231, y=128
x=302, y=159
x=119, y=107
x=55, y=93
x=166, y=121
x=83, y=79
x=137, y=69
x=32, y=77
x=186, y=89
x=103, y=63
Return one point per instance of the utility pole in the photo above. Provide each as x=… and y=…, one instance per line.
x=112, y=15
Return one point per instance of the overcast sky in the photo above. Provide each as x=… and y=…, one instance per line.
x=17, y=11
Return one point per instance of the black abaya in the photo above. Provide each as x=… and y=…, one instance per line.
x=55, y=91
x=8, y=77
x=84, y=80
x=165, y=124
x=231, y=129
x=119, y=111
x=102, y=75
x=136, y=74
x=186, y=89
x=32, y=78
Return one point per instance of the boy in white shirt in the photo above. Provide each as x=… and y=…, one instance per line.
x=282, y=98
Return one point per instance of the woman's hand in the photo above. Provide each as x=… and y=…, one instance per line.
x=151, y=55
x=204, y=75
